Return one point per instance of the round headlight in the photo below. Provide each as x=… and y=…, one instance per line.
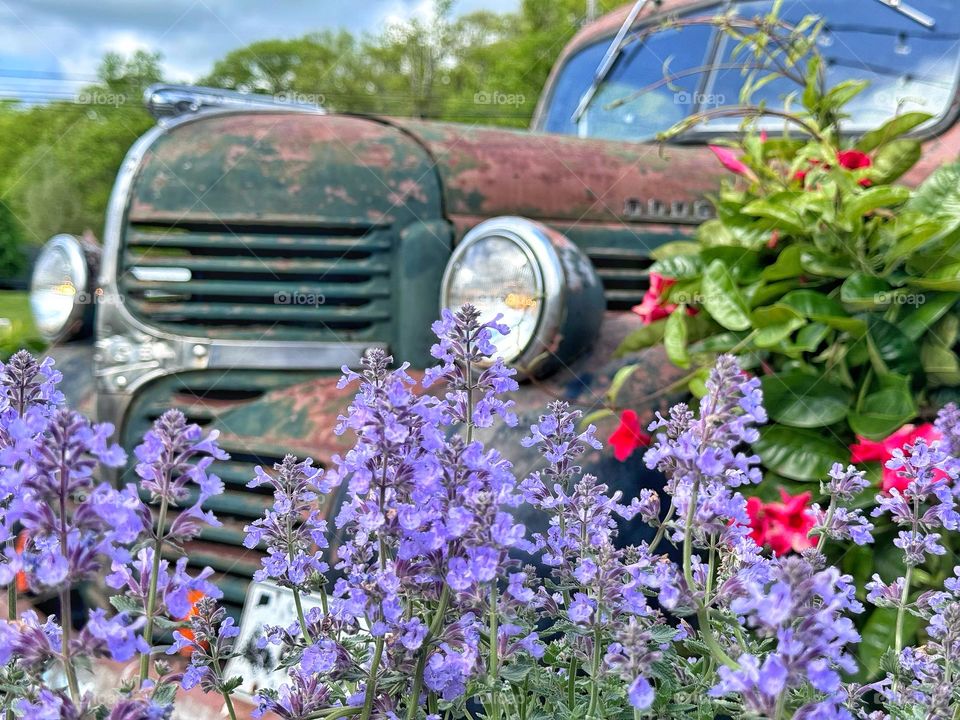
x=58, y=285
x=544, y=287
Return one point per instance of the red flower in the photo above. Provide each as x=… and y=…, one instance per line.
x=853, y=159
x=848, y=159
x=872, y=451
x=652, y=307
x=628, y=436
x=782, y=526
x=731, y=162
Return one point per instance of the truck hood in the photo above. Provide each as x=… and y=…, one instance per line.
x=487, y=171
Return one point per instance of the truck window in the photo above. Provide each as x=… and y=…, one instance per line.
x=909, y=66
x=680, y=53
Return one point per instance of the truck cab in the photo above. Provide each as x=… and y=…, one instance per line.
x=251, y=249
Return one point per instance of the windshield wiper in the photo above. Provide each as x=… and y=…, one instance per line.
x=921, y=18
x=610, y=57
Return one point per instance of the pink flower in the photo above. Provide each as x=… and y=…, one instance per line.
x=652, y=307
x=873, y=451
x=628, y=436
x=731, y=162
x=782, y=526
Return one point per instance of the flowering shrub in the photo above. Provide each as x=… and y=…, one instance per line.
x=439, y=604
x=837, y=285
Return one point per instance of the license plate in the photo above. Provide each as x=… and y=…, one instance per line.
x=266, y=604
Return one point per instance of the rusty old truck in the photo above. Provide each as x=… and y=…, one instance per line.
x=253, y=248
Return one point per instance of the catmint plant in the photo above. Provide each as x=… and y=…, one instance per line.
x=438, y=604
x=173, y=463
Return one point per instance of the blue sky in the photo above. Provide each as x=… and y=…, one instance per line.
x=51, y=48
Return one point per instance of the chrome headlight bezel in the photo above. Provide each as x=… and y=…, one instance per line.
x=570, y=298
x=73, y=316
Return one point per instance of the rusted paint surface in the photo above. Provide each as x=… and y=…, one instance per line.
x=493, y=171
x=285, y=167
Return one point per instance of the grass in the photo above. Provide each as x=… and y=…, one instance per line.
x=16, y=324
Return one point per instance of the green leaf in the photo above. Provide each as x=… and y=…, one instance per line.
x=779, y=215
x=719, y=343
x=676, y=247
x=896, y=351
x=821, y=264
x=946, y=279
x=877, y=197
x=595, y=417
x=810, y=337
x=787, y=265
x=926, y=313
x=642, y=338
x=877, y=637
x=620, y=377
x=884, y=411
x=824, y=309
x=675, y=337
x=797, y=453
x=722, y=299
x=679, y=267
x=122, y=603
x=940, y=363
x=894, y=159
x=774, y=324
x=891, y=130
x=766, y=293
x=843, y=92
x=939, y=194
x=804, y=401
x=865, y=291
x=743, y=264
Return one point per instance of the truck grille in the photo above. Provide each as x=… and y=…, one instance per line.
x=203, y=397
x=625, y=275
x=323, y=283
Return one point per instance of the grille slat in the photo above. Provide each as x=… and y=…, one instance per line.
x=330, y=315
x=297, y=243
x=271, y=281
x=258, y=288
x=625, y=275
x=261, y=265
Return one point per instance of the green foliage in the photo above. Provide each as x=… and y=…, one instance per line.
x=480, y=67
x=16, y=324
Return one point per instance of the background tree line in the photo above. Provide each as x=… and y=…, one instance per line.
x=58, y=160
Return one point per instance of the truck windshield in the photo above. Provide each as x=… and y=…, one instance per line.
x=676, y=52
x=909, y=67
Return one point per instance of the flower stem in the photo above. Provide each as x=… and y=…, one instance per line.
x=67, y=612
x=151, y=608
x=300, y=617
x=822, y=540
x=372, y=680
x=229, y=704
x=422, y=660
x=902, y=608
x=706, y=629
x=493, y=669
x=594, y=677
x=662, y=529
x=66, y=609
